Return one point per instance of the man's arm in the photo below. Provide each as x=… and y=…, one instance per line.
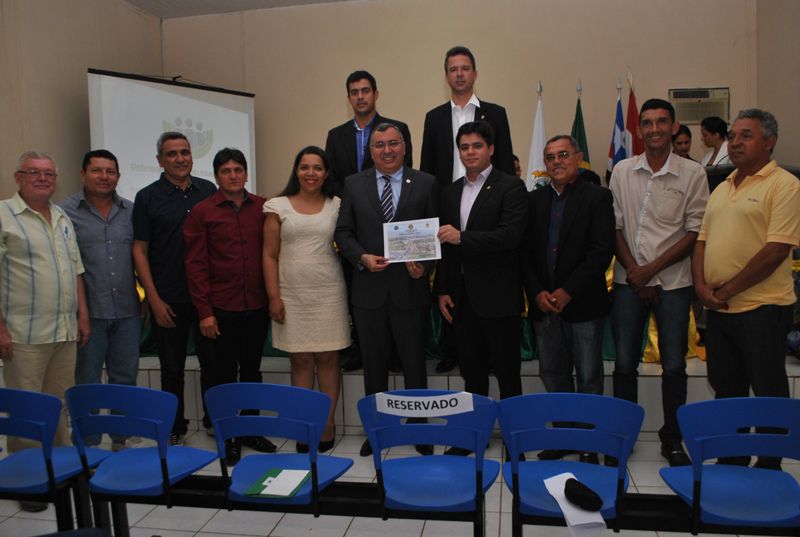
x=704, y=292
x=507, y=234
x=427, y=159
x=330, y=150
x=84, y=326
x=346, y=239
x=198, y=272
x=162, y=313
x=759, y=268
x=640, y=275
x=503, y=150
x=409, y=158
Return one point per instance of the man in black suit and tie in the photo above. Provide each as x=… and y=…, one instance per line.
x=347, y=147
x=478, y=281
x=569, y=245
x=440, y=155
x=390, y=300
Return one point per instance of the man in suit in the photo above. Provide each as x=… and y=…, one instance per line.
x=390, y=300
x=483, y=218
x=569, y=245
x=440, y=156
x=347, y=149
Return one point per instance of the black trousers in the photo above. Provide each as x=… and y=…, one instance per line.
x=238, y=348
x=487, y=342
x=172, y=344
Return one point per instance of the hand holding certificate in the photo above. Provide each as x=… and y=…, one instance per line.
x=411, y=240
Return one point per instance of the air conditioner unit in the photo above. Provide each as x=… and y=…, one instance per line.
x=694, y=104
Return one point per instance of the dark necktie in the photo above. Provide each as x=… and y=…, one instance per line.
x=387, y=208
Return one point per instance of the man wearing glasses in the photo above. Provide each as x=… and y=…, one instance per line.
x=43, y=318
x=569, y=244
x=390, y=300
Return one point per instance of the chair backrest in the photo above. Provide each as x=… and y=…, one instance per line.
x=470, y=430
x=711, y=428
x=612, y=425
x=31, y=415
x=139, y=411
x=297, y=413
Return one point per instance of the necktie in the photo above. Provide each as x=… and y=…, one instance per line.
x=386, y=199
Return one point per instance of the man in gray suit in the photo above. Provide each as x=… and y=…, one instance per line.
x=390, y=300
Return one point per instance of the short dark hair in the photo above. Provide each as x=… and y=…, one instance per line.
x=99, y=153
x=355, y=76
x=167, y=136
x=573, y=143
x=657, y=104
x=481, y=128
x=459, y=50
x=383, y=127
x=227, y=154
x=769, y=125
x=293, y=186
x=683, y=129
x=715, y=125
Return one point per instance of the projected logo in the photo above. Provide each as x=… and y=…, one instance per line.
x=200, y=140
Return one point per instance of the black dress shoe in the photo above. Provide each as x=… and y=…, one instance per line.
x=233, y=451
x=424, y=449
x=326, y=445
x=768, y=463
x=458, y=451
x=366, y=449
x=589, y=457
x=259, y=443
x=32, y=507
x=352, y=363
x=554, y=454
x=674, y=453
x=301, y=447
x=446, y=364
x=611, y=461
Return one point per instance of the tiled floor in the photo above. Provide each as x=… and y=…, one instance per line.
x=149, y=521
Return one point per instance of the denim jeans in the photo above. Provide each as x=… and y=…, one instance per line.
x=115, y=344
x=563, y=345
x=628, y=317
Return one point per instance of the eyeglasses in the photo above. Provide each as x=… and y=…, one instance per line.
x=35, y=174
x=392, y=144
x=561, y=155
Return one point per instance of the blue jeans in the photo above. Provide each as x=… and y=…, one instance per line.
x=628, y=319
x=563, y=345
x=115, y=343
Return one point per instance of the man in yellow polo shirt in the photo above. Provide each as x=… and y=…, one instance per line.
x=742, y=266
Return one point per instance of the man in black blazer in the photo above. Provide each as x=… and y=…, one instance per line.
x=347, y=144
x=390, y=300
x=440, y=155
x=478, y=280
x=569, y=245
x=347, y=147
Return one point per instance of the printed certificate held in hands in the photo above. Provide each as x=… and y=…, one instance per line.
x=411, y=240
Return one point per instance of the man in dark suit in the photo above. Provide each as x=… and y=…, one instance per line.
x=439, y=152
x=348, y=151
x=347, y=144
x=569, y=245
x=483, y=218
x=390, y=300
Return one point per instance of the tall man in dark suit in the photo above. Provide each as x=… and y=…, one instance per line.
x=390, y=300
x=348, y=151
x=440, y=156
x=478, y=281
x=569, y=245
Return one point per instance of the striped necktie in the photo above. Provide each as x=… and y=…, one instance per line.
x=386, y=199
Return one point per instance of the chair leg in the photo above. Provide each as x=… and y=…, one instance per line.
x=63, y=506
x=119, y=512
x=102, y=517
x=83, y=509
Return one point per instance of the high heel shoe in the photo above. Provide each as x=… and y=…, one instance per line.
x=327, y=445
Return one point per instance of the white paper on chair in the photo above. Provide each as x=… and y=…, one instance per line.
x=579, y=521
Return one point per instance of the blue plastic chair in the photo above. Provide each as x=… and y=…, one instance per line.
x=42, y=474
x=135, y=472
x=738, y=495
x=526, y=422
x=298, y=414
x=434, y=483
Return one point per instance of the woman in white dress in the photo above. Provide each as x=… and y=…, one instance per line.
x=307, y=294
x=714, y=132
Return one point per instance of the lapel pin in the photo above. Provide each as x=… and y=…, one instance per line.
x=489, y=187
x=408, y=181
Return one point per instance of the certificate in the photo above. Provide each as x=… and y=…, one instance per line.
x=411, y=240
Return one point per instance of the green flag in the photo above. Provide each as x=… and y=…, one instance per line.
x=579, y=133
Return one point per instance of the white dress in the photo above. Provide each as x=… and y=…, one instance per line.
x=311, y=282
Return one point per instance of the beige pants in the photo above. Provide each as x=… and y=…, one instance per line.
x=47, y=368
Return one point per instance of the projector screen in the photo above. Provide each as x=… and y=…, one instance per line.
x=127, y=113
